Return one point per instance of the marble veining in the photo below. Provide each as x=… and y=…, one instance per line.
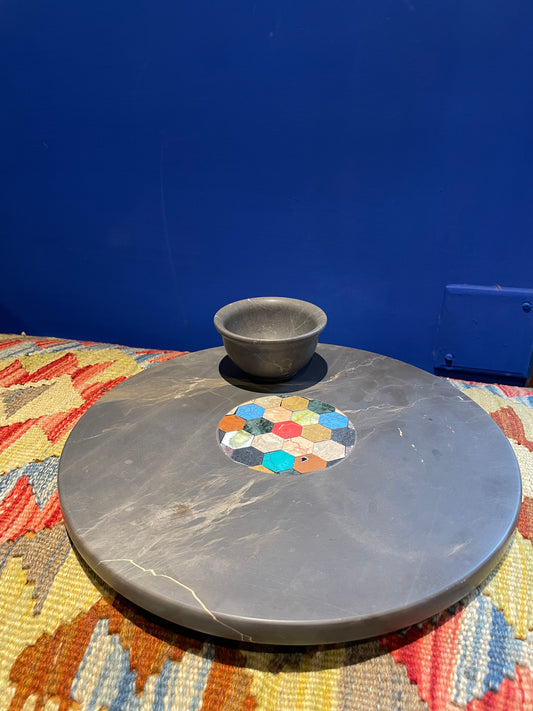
x=151, y=571
x=286, y=435
x=416, y=515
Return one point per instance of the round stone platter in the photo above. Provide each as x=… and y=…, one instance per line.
x=411, y=518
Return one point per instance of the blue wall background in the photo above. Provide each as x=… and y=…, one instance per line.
x=164, y=158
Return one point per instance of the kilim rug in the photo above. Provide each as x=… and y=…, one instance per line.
x=68, y=642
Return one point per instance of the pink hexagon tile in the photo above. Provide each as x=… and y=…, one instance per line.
x=286, y=435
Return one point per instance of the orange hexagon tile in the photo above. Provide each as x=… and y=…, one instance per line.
x=298, y=444
x=309, y=463
x=231, y=423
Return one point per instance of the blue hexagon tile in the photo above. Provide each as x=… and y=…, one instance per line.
x=286, y=435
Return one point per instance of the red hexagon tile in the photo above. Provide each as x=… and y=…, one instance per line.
x=286, y=435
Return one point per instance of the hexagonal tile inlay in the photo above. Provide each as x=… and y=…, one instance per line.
x=286, y=435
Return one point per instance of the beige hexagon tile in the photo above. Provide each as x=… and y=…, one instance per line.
x=277, y=414
x=329, y=450
x=268, y=401
x=268, y=442
x=297, y=448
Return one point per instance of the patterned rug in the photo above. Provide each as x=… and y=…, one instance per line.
x=67, y=642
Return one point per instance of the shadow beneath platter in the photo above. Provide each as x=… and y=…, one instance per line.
x=309, y=375
x=271, y=658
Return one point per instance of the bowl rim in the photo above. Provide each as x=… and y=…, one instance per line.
x=224, y=332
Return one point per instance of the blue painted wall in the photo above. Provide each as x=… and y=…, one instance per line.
x=164, y=158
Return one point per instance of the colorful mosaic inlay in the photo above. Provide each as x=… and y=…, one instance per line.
x=286, y=435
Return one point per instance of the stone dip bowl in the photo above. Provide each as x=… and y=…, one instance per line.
x=270, y=337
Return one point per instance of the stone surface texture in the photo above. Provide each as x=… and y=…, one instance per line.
x=414, y=518
x=270, y=337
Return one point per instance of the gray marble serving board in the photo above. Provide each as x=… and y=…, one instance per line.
x=414, y=518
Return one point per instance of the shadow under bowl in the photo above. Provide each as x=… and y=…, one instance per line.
x=270, y=337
